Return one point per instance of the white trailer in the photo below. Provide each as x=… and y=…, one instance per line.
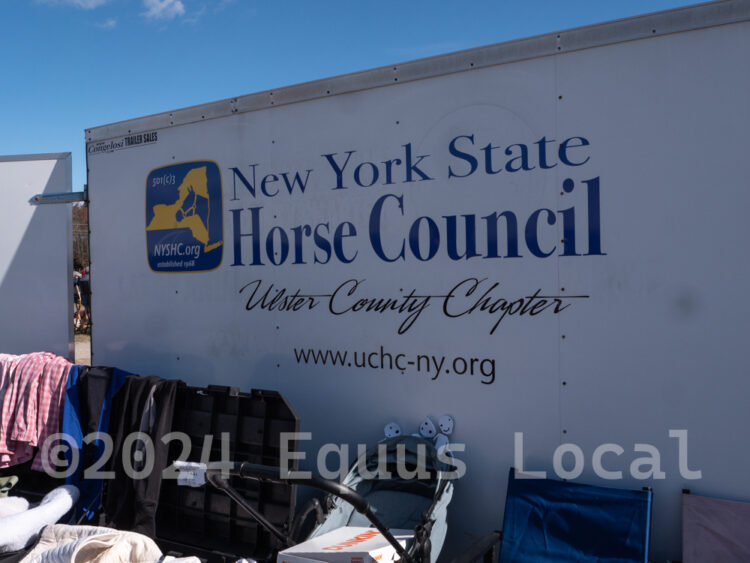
x=36, y=255
x=544, y=238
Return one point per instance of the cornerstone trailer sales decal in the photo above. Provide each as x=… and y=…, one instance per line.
x=549, y=249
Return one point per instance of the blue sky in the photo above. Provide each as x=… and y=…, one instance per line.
x=66, y=65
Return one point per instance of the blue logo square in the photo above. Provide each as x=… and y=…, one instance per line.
x=184, y=217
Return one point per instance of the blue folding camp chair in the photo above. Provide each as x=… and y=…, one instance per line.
x=557, y=521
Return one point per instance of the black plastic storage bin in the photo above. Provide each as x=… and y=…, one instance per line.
x=32, y=485
x=204, y=521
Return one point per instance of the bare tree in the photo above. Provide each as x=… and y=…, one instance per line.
x=80, y=236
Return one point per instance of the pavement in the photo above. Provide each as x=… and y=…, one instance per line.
x=83, y=349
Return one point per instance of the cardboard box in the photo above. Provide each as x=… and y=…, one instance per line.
x=346, y=545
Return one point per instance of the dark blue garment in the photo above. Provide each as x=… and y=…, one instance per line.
x=88, y=396
x=71, y=426
x=558, y=521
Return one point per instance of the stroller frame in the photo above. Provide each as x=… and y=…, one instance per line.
x=218, y=475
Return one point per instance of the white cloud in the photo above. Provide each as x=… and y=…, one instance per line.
x=85, y=4
x=195, y=15
x=109, y=23
x=162, y=9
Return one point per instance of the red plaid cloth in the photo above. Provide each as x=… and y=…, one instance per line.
x=32, y=406
x=50, y=405
x=8, y=364
x=19, y=398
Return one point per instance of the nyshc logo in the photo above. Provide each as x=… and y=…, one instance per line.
x=184, y=223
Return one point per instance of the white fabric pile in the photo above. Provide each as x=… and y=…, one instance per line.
x=21, y=526
x=90, y=544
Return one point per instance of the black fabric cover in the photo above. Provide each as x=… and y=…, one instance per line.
x=130, y=504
